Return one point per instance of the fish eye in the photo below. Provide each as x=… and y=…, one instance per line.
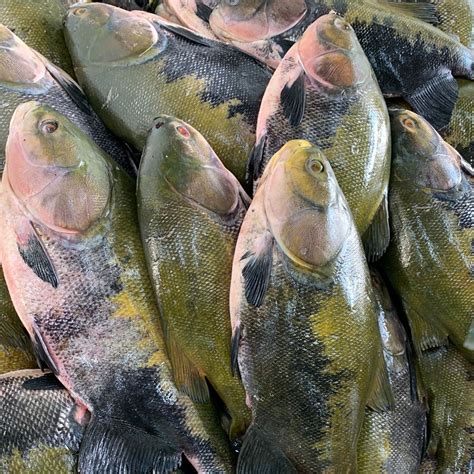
x=79, y=11
x=409, y=124
x=314, y=166
x=49, y=126
x=342, y=24
x=183, y=131
x=232, y=3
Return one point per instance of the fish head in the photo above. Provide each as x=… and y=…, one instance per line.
x=19, y=64
x=420, y=156
x=331, y=55
x=98, y=33
x=179, y=157
x=306, y=210
x=248, y=21
x=57, y=174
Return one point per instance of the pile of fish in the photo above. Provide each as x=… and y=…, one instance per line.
x=237, y=236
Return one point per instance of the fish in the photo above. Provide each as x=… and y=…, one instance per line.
x=15, y=348
x=40, y=26
x=447, y=377
x=26, y=75
x=394, y=441
x=430, y=259
x=456, y=17
x=190, y=209
x=168, y=70
x=411, y=58
x=460, y=132
x=193, y=14
x=74, y=264
x=324, y=91
x=304, y=328
x=146, y=5
x=41, y=427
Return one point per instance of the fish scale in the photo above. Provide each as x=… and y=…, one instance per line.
x=222, y=87
x=38, y=431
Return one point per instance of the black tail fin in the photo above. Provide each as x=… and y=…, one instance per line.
x=261, y=456
x=111, y=445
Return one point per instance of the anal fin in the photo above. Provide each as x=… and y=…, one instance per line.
x=377, y=237
x=187, y=377
x=111, y=445
x=381, y=398
x=425, y=336
x=435, y=99
x=261, y=455
x=44, y=359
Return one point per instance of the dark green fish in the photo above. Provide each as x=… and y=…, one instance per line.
x=40, y=25
x=430, y=260
x=460, y=132
x=74, y=263
x=448, y=380
x=324, y=91
x=41, y=427
x=305, y=335
x=190, y=211
x=169, y=70
x=26, y=75
x=393, y=441
x=410, y=58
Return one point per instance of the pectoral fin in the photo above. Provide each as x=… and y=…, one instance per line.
x=377, y=236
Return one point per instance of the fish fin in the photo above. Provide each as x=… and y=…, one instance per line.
x=70, y=86
x=260, y=455
x=421, y=11
x=257, y=270
x=381, y=399
x=377, y=236
x=112, y=445
x=36, y=257
x=45, y=382
x=293, y=99
x=467, y=168
x=254, y=165
x=234, y=351
x=187, y=377
x=188, y=34
x=425, y=336
x=43, y=357
x=203, y=12
x=435, y=99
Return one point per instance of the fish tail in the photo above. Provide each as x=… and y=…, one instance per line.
x=111, y=445
x=261, y=455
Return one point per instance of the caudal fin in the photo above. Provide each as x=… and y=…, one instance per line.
x=111, y=445
x=260, y=456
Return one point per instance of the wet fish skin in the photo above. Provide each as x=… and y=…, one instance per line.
x=223, y=87
x=190, y=211
x=40, y=26
x=25, y=76
x=447, y=378
x=75, y=268
x=301, y=350
x=423, y=76
x=460, y=132
x=325, y=91
x=15, y=347
x=431, y=208
x=393, y=441
x=40, y=429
